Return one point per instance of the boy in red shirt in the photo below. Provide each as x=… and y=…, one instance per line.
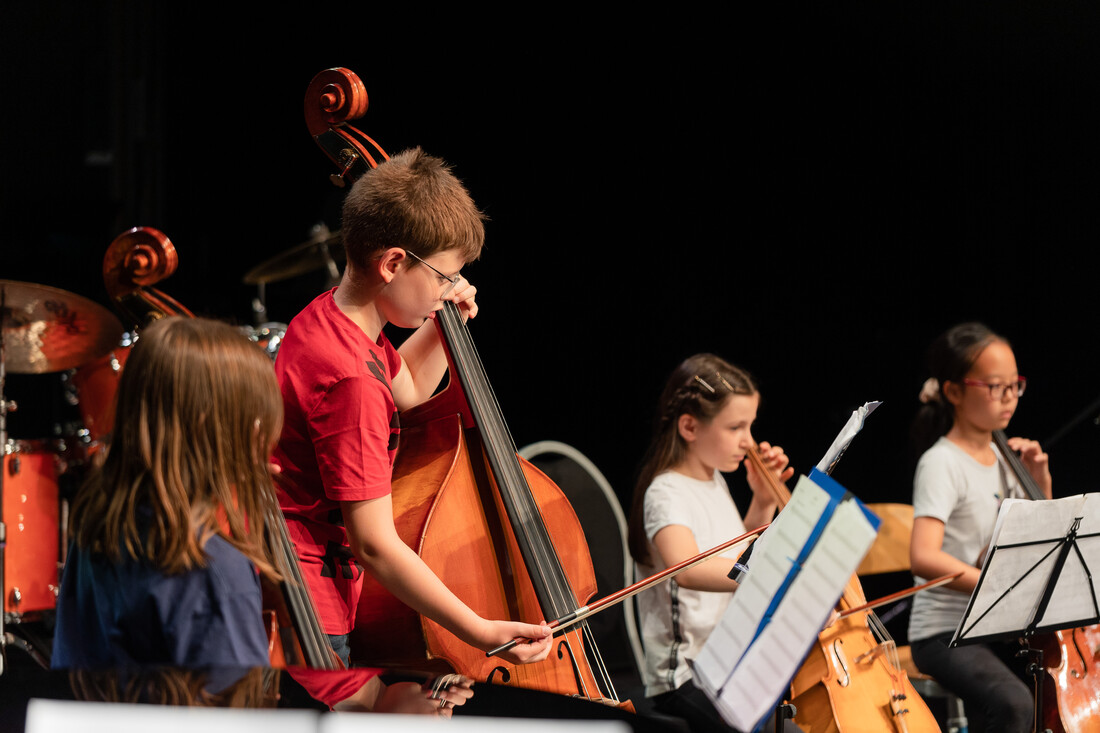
x=409, y=226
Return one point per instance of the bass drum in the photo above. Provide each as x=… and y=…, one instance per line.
x=32, y=501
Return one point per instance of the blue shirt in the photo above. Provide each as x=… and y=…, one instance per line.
x=132, y=613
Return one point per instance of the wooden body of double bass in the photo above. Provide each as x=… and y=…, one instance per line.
x=455, y=505
x=450, y=513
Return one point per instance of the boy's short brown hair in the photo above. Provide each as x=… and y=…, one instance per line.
x=412, y=201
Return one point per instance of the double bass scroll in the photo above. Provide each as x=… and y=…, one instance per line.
x=334, y=97
x=136, y=260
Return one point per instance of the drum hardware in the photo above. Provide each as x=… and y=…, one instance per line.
x=323, y=250
x=269, y=336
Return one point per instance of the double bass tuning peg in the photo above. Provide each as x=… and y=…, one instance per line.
x=346, y=159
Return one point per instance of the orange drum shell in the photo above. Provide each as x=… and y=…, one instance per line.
x=96, y=385
x=31, y=516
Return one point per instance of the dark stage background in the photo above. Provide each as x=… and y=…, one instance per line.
x=812, y=193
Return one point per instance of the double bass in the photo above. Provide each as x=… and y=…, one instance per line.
x=135, y=261
x=499, y=533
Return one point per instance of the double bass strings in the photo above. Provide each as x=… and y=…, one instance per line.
x=548, y=577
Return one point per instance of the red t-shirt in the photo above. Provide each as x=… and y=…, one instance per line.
x=340, y=433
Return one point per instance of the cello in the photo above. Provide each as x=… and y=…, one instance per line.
x=852, y=679
x=1071, y=702
x=500, y=534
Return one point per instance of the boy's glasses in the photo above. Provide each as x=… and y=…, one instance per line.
x=997, y=390
x=452, y=280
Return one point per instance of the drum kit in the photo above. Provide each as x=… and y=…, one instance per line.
x=42, y=330
x=48, y=330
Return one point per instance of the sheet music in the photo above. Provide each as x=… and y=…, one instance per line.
x=1024, y=551
x=749, y=658
x=845, y=436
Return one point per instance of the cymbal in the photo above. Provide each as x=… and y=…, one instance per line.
x=306, y=257
x=49, y=330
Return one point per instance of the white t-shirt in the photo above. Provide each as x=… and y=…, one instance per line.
x=676, y=621
x=953, y=487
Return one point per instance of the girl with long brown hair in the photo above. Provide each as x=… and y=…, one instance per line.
x=167, y=535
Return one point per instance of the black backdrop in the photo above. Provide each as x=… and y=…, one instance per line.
x=813, y=193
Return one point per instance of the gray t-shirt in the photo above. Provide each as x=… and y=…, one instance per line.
x=676, y=621
x=951, y=486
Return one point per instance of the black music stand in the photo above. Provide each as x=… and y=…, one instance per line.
x=1037, y=577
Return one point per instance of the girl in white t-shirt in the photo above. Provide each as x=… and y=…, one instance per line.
x=959, y=484
x=682, y=506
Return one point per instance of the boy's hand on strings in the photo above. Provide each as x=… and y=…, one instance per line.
x=775, y=459
x=463, y=296
x=1035, y=461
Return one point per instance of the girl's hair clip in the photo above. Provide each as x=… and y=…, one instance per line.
x=702, y=382
x=930, y=391
x=723, y=381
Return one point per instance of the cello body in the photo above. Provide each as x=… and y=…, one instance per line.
x=851, y=681
x=1071, y=692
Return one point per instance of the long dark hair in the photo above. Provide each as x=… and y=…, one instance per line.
x=950, y=358
x=699, y=387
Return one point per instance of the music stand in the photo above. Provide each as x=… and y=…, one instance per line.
x=1037, y=577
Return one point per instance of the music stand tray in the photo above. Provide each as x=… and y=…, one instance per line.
x=1037, y=576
